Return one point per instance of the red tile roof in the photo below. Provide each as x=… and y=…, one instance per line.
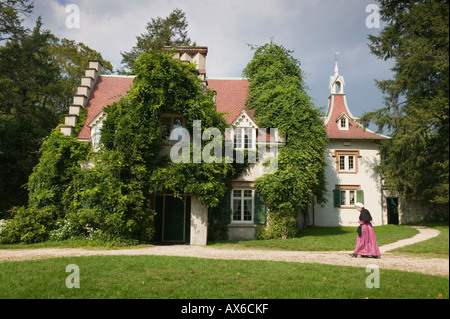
x=337, y=105
x=107, y=90
x=230, y=98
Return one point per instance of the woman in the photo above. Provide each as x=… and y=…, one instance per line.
x=366, y=242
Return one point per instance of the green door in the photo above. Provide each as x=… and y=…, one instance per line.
x=174, y=218
x=392, y=209
x=172, y=222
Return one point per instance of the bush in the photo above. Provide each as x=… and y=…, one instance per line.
x=277, y=227
x=29, y=225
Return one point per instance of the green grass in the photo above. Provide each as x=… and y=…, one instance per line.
x=155, y=277
x=323, y=239
x=434, y=247
x=74, y=243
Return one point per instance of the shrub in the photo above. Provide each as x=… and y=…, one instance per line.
x=29, y=225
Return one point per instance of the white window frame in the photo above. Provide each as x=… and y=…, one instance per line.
x=348, y=163
x=348, y=197
x=239, y=140
x=95, y=136
x=242, y=198
x=343, y=120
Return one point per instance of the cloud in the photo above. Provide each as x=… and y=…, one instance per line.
x=315, y=30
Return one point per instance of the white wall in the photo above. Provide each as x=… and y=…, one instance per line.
x=369, y=180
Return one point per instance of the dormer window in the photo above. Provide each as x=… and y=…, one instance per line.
x=243, y=138
x=172, y=122
x=95, y=136
x=342, y=122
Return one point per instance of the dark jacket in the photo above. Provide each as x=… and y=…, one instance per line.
x=365, y=217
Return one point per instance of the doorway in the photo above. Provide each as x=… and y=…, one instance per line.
x=173, y=218
x=392, y=210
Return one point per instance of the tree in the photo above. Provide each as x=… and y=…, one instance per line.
x=10, y=22
x=29, y=90
x=415, y=161
x=169, y=31
x=277, y=93
x=39, y=74
x=72, y=58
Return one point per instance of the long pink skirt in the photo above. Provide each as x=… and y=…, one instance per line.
x=367, y=245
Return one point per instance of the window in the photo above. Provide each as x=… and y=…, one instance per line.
x=238, y=138
x=243, y=138
x=95, y=136
x=171, y=123
x=346, y=196
x=347, y=161
x=343, y=122
x=248, y=138
x=242, y=200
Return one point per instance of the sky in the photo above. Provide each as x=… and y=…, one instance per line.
x=314, y=30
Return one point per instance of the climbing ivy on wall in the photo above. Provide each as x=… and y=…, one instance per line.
x=278, y=95
x=112, y=200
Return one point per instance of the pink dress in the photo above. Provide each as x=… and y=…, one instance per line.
x=366, y=245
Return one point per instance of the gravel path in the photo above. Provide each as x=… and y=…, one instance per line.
x=434, y=266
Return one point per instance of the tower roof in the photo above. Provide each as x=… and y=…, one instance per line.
x=339, y=121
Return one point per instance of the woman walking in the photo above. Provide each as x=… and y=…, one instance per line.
x=366, y=242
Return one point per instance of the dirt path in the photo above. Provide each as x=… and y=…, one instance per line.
x=434, y=266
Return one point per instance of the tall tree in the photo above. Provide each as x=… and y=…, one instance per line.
x=277, y=93
x=169, y=31
x=38, y=76
x=415, y=161
x=28, y=83
x=10, y=21
x=72, y=59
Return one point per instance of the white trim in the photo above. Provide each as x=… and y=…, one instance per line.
x=346, y=168
x=240, y=117
x=347, y=197
x=98, y=119
x=242, y=198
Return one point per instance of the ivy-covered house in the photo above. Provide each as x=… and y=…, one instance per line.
x=351, y=157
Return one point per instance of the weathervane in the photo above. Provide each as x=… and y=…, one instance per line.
x=335, y=56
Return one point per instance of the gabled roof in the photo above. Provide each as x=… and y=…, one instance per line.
x=230, y=97
x=107, y=90
x=337, y=108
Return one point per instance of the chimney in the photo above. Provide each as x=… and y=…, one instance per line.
x=191, y=54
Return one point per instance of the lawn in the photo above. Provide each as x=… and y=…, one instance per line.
x=154, y=277
x=323, y=239
x=434, y=247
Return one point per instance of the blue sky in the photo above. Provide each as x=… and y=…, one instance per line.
x=314, y=30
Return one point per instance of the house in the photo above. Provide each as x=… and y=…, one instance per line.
x=352, y=154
